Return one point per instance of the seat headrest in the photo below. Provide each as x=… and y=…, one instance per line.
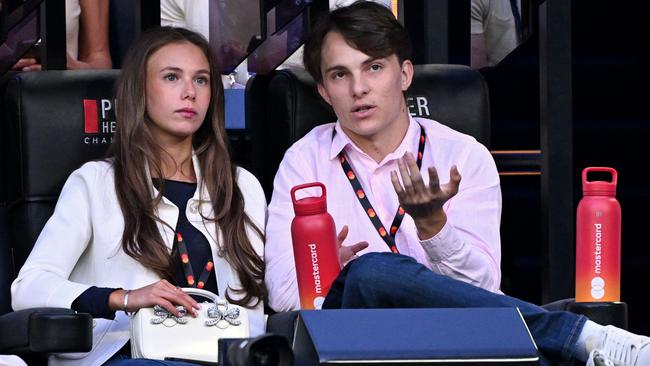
x=454, y=95
x=55, y=121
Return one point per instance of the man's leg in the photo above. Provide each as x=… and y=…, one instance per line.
x=386, y=280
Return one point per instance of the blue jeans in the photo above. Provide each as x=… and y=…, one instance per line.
x=387, y=280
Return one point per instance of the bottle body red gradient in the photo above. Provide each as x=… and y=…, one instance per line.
x=598, y=240
x=315, y=251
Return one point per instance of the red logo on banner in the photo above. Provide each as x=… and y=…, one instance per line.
x=91, y=123
x=99, y=121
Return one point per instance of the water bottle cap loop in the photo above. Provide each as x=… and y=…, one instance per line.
x=592, y=188
x=309, y=205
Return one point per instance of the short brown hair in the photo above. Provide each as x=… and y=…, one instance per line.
x=367, y=26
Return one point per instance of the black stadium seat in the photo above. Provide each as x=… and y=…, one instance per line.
x=52, y=122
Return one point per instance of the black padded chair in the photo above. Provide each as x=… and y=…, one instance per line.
x=283, y=106
x=52, y=122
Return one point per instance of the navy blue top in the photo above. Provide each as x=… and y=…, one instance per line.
x=94, y=300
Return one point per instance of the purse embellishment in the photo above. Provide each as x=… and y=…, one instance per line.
x=162, y=315
x=222, y=317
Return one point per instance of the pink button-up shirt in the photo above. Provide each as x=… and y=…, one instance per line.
x=467, y=248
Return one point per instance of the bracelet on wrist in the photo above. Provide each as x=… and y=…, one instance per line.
x=126, y=304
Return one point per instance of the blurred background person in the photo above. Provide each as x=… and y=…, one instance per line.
x=87, y=42
x=195, y=15
x=495, y=30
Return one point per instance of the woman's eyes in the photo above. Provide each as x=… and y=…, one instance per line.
x=202, y=80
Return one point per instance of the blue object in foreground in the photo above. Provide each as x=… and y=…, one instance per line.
x=476, y=336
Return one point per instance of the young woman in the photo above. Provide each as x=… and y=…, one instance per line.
x=111, y=246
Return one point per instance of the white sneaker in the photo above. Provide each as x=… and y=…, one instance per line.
x=622, y=348
x=596, y=358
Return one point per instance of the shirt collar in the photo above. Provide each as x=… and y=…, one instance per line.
x=197, y=173
x=341, y=141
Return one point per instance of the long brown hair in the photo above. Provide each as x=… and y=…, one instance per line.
x=134, y=150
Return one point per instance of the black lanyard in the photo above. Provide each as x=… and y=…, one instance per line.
x=389, y=238
x=187, y=267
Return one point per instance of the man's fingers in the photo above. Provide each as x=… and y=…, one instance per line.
x=397, y=186
x=434, y=181
x=455, y=174
x=349, y=252
x=356, y=248
x=416, y=177
x=406, y=178
x=454, y=181
x=342, y=235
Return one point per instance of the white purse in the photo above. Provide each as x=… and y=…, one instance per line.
x=158, y=334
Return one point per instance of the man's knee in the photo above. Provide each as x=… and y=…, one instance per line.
x=375, y=266
x=382, y=259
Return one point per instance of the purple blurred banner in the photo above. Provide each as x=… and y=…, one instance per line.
x=277, y=47
x=234, y=26
x=20, y=39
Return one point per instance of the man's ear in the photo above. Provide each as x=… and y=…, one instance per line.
x=407, y=74
x=323, y=93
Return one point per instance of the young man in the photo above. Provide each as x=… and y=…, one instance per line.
x=446, y=251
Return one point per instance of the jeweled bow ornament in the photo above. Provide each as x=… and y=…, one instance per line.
x=162, y=315
x=222, y=317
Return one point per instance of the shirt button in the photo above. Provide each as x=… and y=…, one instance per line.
x=194, y=208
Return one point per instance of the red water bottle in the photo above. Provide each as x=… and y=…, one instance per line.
x=598, y=240
x=314, y=247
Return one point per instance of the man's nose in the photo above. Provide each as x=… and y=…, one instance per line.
x=359, y=87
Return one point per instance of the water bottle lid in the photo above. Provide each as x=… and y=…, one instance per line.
x=309, y=205
x=599, y=187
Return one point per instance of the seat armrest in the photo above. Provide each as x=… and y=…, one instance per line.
x=283, y=323
x=559, y=305
x=45, y=330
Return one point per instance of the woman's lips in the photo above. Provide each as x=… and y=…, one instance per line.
x=186, y=112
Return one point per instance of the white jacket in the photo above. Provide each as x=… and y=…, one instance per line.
x=80, y=247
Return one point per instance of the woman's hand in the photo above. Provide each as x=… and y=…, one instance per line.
x=349, y=252
x=160, y=293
